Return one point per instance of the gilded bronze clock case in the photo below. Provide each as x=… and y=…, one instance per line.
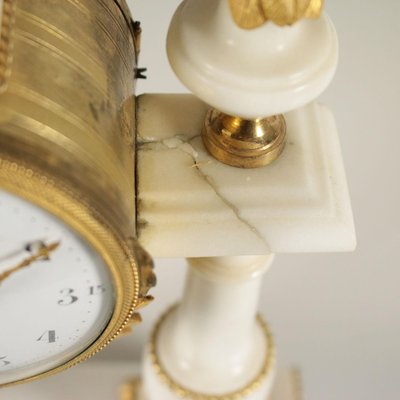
x=67, y=131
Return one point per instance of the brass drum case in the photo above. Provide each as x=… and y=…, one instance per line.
x=67, y=132
x=67, y=103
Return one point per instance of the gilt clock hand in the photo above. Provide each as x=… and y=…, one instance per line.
x=42, y=253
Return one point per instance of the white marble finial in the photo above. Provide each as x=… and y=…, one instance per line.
x=250, y=73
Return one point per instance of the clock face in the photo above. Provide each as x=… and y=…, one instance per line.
x=56, y=293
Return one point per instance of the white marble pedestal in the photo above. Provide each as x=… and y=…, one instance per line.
x=193, y=206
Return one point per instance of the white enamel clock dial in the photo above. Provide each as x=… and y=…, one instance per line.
x=56, y=294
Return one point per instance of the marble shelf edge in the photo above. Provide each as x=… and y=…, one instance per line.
x=118, y=382
x=190, y=205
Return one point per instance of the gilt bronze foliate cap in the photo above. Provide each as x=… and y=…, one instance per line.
x=250, y=14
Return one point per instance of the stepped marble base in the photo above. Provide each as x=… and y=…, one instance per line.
x=110, y=381
x=191, y=205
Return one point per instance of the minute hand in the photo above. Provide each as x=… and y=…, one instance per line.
x=42, y=252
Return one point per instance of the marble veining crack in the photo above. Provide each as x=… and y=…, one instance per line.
x=231, y=206
x=170, y=142
x=184, y=144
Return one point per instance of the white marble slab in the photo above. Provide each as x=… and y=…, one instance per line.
x=191, y=205
x=103, y=381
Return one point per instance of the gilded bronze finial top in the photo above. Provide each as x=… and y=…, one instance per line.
x=249, y=14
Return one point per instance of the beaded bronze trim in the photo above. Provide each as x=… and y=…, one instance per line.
x=188, y=394
x=130, y=389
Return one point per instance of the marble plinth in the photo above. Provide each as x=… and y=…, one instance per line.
x=114, y=381
x=191, y=205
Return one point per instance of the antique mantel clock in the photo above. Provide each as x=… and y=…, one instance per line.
x=72, y=273
x=90, y=176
